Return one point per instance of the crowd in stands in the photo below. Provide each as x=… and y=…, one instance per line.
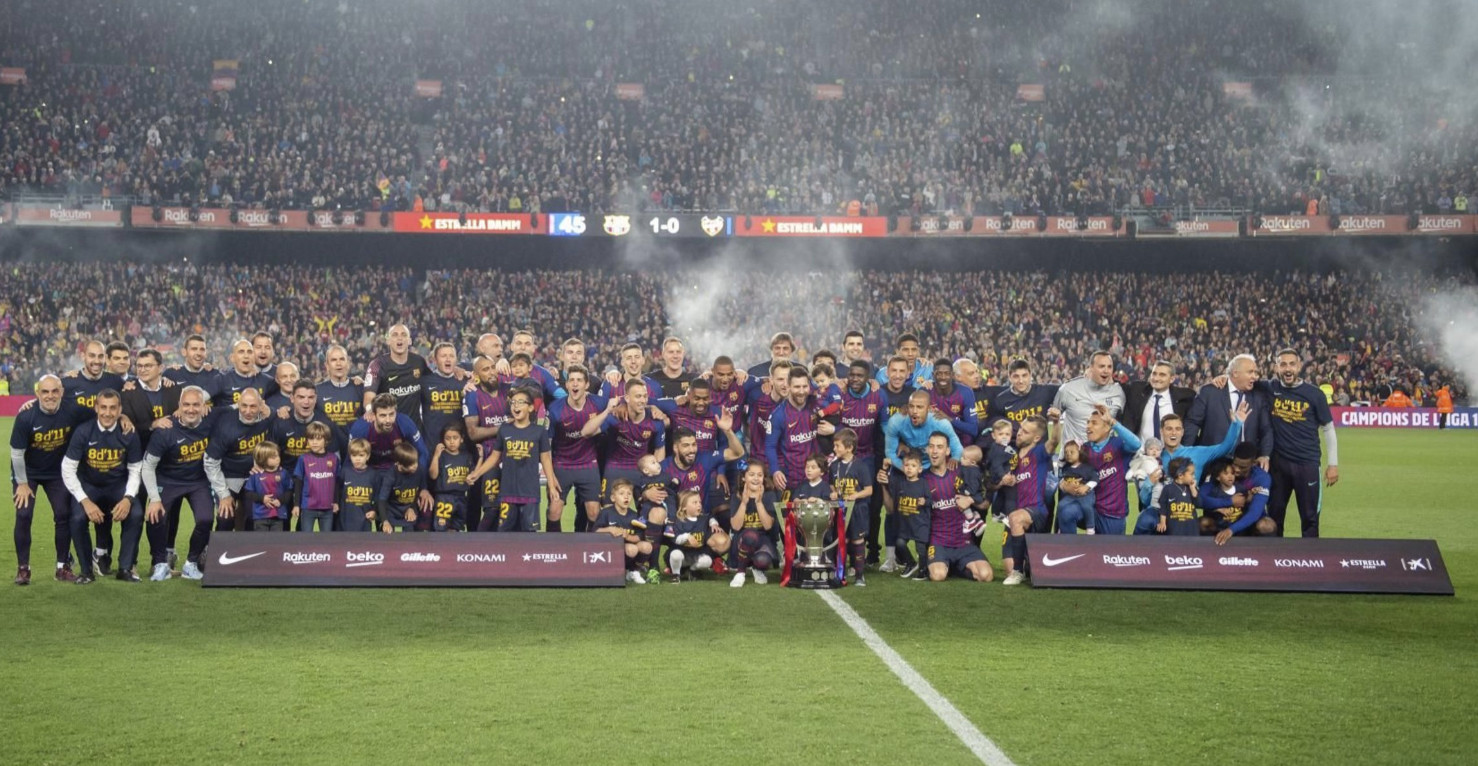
x=1361, y=333
x=119, y=105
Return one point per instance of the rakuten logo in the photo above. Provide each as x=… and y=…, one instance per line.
x=1233, y=561
x=420, y=557
x=1177, y=563
x=306, y=558
x=366, y=559
x=1127, y=561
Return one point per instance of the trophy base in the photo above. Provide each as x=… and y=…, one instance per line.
x=815, y=579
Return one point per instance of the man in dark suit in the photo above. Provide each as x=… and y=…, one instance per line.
x=146, y=399
x=1210, y=415
x=1147, y=402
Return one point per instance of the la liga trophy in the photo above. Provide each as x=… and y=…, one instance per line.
x=811, y=561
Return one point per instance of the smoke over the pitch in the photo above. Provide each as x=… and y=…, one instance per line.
x=1451, y=319
x=717, y=308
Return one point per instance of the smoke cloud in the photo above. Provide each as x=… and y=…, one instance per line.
x=1451, y=318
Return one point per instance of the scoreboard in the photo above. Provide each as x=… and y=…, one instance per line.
x=661, y=225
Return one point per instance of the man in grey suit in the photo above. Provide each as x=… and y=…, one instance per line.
x=1210, y=415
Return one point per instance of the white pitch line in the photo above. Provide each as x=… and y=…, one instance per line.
x=978, y=743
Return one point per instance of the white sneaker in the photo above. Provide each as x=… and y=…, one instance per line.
x=192, y=571
x=759, y=576
x=1090, y=531
x=635, y=578
x=889, y=565
x=1015, y=578
x=160, y=573
x=738, y=581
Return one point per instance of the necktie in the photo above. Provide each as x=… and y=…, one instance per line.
x=1156, y=416
x=1236, y=404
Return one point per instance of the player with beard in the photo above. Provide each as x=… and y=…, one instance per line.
x=633, y=434
x=673, y=376
x=230, y=457
x=574, y=423
x=388, y=427
x=262, y=351
x=954, y=403
x=195, y=371
x=243, y=375
x=101, y=472
x=791, y=439
x=1244, y=512
x=689, y=470
x=952, y=550
x=291, y=433
x=1300, y=414
x=699, y=415
x=782, y=349
x=38, y=441
x=398, y=372
x=83, y=388
x=340, y=399
x=441, y=392
x=1021, y=398
x=522, y=342
x=484, y=410
x=1033, y=463
x=173, y=474
x=1108, y=449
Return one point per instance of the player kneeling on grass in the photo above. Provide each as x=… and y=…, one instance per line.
x=1237, y=505
x=405, y=497
x=269, y=491
x=694, y=538
x=753, y=521
x=952, y=547
x=621, y=520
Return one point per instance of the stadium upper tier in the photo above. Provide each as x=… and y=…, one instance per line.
x=764, y=107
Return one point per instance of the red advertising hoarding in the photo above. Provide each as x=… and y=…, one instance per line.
x=1326, y=565
x=471, y=223
x=350, y=560
x=37, y=215
x=1403, y=417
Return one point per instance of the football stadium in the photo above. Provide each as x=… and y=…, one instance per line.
x=1004, y=382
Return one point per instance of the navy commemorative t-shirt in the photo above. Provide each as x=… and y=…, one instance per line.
x=44, y=436
x=521, y=447
x=103, y=456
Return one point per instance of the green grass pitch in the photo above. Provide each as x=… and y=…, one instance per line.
x=161, y=673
